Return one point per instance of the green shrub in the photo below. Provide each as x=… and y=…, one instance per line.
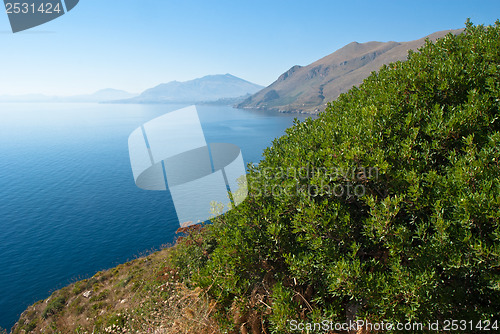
x=103, y=295
x=54, y=306
x=191, y=252
x=30, y=326
x=386, y=207
x=123, y=282
x=118, y=320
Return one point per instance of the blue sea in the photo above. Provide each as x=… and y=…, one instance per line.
x=69, y=206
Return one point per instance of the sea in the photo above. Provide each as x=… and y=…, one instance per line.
x=69, y=206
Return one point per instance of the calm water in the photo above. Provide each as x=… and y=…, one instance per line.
x=68, y=203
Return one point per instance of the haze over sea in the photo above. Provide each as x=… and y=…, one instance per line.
x=69, y=206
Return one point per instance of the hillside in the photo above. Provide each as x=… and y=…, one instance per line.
x=385, y=209
x=207, y=89
x=134, y=297
x=308, y=89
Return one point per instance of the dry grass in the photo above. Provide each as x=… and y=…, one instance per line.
x=148, y=295
x=141, y=296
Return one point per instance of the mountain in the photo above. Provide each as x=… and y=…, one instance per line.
x=207, y=89
x=220, y=89
x=99, y=96
x=308, y=89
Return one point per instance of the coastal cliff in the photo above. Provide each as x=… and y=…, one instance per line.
x=417, y=236
x=145, y=295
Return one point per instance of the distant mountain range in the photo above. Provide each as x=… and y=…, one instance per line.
x=209, y=89
x=304, y=89
x=309, y=88
x=99, y=96
x=223, y=89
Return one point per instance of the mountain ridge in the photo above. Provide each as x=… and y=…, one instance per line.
x=307, y=89
x=217, y=89
x=209, y=88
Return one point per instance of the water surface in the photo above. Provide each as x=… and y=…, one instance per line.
x=69, y=206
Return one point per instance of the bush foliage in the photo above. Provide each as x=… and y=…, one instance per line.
x=385, y=208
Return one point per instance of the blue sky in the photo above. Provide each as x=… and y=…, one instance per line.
x=136, y=44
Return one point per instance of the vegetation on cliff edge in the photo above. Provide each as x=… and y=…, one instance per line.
x=384, y=208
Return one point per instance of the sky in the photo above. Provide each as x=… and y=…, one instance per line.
x=137, y=44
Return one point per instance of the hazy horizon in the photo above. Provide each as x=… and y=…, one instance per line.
x=134, y=45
